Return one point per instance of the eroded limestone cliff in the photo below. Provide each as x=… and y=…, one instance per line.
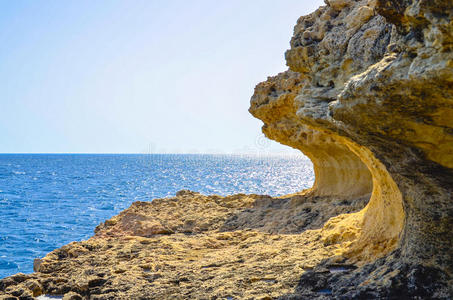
x=369, y=98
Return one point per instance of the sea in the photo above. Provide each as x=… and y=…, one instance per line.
x=49, y=200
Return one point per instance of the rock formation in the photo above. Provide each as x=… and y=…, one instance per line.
x=369, y=98
x=190, y=247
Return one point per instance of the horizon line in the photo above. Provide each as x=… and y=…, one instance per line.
x=141, y=153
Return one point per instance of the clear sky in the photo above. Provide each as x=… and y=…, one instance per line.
x=167, y=76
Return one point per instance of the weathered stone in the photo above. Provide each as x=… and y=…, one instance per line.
x=35, y=287
x=240, y=246
x=369, y=98
x=72, y=296
x=36, y=264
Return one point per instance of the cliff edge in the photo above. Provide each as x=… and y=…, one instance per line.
x=369, y=98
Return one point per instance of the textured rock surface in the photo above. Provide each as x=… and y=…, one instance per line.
x=369, y=98
x=370, y=88
x=191, y=247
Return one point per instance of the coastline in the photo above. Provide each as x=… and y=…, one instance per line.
x=239, y=246
x=48, y=201
x=368, y=98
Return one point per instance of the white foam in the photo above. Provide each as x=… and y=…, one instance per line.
x=338, y=269
x=49, y=297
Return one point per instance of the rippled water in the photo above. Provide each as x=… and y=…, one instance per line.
x=47, y=201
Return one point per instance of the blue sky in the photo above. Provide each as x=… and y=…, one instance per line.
x=138, y=76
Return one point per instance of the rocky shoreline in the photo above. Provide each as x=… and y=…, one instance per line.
x=192, y=247
x=368, y=97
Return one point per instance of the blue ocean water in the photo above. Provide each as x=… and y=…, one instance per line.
x=47, y=201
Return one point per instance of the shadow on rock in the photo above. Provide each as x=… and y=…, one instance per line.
x=292, y=215
x=386, y=278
